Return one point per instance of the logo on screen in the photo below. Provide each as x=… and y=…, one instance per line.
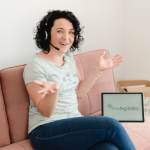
x=110, y=106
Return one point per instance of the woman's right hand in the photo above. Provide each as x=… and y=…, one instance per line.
x=48, y=87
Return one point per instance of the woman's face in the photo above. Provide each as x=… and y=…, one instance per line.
x=62, y=34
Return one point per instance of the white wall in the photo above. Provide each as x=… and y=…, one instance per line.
x=103, y=21
x=136, y=40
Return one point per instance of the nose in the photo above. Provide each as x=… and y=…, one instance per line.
x=65, y=36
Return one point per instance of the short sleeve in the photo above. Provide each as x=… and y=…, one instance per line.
x=33, y=71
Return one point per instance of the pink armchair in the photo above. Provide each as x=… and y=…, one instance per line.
x=14, y=104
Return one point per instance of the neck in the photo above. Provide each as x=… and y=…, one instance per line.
x=53, y=57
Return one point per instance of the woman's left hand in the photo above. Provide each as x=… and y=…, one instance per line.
x=104, y=64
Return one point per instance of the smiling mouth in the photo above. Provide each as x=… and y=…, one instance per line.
x=63, y=44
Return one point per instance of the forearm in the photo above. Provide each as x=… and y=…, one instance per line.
x=86, y=84
x=48, y=104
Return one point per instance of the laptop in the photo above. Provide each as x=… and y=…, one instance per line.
x=125, y=107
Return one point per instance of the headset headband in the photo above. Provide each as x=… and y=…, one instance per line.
x=48, y=19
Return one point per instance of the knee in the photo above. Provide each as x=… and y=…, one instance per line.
x=113, y=123
x=104, y=122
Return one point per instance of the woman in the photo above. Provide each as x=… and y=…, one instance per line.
x=54, y=83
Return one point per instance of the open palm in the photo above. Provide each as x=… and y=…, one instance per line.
x=104, y=64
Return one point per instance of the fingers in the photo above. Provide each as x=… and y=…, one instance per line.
x=49, y=87
x=38, y=82
x=114, y=57
x=118, y=60
x=48, y=91
x=115, y=64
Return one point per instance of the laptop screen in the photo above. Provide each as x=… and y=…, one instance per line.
x=125, y=107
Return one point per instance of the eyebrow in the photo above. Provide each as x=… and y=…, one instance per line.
x=62, y=28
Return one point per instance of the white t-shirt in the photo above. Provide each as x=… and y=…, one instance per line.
x=39, y=68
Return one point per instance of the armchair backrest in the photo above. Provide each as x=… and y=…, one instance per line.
x=85, y=62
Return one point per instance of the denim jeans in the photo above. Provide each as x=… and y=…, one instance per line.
x=81, y=133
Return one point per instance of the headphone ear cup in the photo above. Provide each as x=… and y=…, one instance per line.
x=45, y=35
x=76, y=37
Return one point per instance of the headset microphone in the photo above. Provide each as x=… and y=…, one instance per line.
x=54, y=46
x=49, y=42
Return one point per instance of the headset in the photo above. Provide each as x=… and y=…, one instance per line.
x=76, y=36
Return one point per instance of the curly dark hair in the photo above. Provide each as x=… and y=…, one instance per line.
x=46, y=24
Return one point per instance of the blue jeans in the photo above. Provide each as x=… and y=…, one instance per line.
x=81, y=133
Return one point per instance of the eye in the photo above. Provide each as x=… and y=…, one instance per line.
x=59, y=31
x=72, y=32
